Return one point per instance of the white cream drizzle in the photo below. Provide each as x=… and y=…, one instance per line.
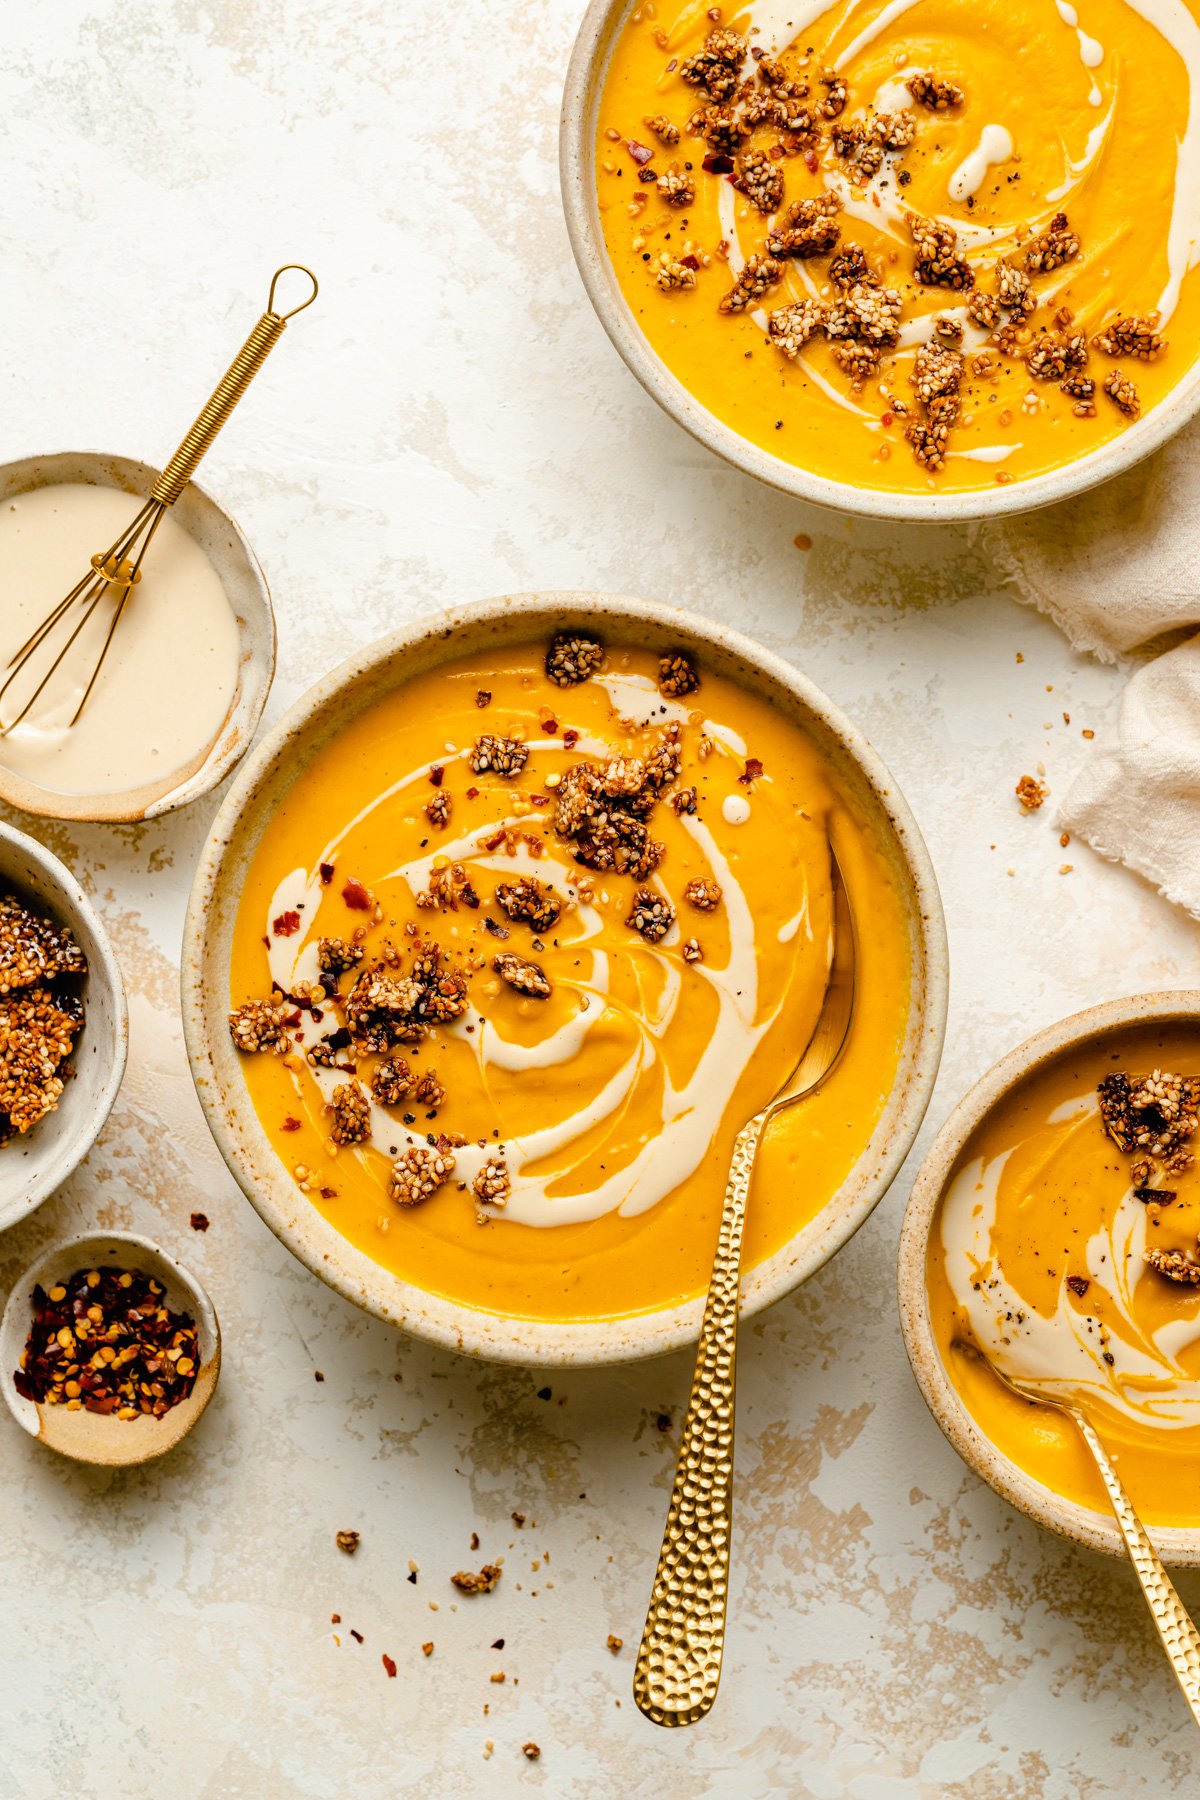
x=1058, y=1353
x=689, y=1112
x=995, y=146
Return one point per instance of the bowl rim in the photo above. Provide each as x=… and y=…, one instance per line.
x=577, y=124
x=258, y=641
x=26, y=1412
x=504, y=1338
x=76, y=906
x=1179, y=1545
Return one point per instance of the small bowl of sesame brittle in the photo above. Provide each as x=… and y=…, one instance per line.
x=109, y=1349
x=1053, y=1235
x=63, y=1024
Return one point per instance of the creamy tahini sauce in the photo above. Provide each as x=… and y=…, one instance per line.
x=170, y=673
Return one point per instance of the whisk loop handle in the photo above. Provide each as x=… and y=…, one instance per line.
x=228, y=391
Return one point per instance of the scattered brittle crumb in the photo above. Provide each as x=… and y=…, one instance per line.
x=427, y=1648
x=1175, y=1265
x=615, y=1643
x=389, y=1664
x=1031, y=792
x=468, y=1582
x=652, y=916
x=759, y=274
x=532, y=1751
x=692, y=950
x=348, y=1541
x=1123, y=393
x=418, y=1173
x=199, y=1221
x=526, y=977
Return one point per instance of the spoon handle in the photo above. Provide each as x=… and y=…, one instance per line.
x=678, y=1667
x=1180, y=1639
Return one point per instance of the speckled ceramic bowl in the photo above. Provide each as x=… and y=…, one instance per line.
x=586, y=74
x=99, y=1437
x=257, y=792
x=34, y=1165
x=246, y=589
x=1097, y=1530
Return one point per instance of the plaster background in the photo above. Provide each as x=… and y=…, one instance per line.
x=450, y=422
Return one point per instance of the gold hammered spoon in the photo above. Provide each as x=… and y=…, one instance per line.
x=1179, y=1636
x=679, y=1661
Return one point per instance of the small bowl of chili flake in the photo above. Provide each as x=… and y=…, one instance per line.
x=109, y=1349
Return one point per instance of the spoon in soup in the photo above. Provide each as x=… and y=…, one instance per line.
x=1180, y=1638
x=678, y=1666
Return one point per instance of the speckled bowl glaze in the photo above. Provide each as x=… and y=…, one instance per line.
x=33, y=1166
x=260, y=786
x=247, y=592
x=586, y=74
x=100, y=1437
x=1098, y=1531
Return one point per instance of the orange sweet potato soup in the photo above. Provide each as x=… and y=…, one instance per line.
x=927, y=244
x=1066, y=1249
x=527, y=943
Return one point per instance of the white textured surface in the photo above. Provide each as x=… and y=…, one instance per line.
x=450, y=422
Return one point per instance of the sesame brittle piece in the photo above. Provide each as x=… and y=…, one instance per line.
x=807, y=228
x=572, y=657
x=677, y=675
x=492, y=1185
x=1123, y=393
x=418, y=1173
x=792, y=327
x=759, y=275
x=526, y=900
x=526, y=977
x=504, y=756
x=350, y=1114
x=259, y=1025
x=932, y=92
x=1056, y=245
x=1132, y=335
x=652, y=915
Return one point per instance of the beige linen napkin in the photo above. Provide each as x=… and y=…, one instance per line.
x=1117, y=569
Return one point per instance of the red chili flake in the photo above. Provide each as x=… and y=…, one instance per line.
x=286, y=925
x=290, y=1124
x=199, y=1221
x=356, y=896
x=326, y=872
x=496, y=930
x=539, y=799
x=550, y=726
x=534, y=845
x=472, y=793
x=494, y=839
x=810, y=161
x=717, y=163
x=437, y=775
x=328, y=1193
x=751, y=772
x=1078, y=1284
x=570, y=737
x=639, y=152
x=483, y=696
x=887, y=419
x=690, y=262
x=390, y=1666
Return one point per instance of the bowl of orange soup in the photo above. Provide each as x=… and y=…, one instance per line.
x=1053, y=1227
x=906, y=259
x=508, y=928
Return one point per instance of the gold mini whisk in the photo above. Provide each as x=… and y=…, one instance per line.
x=117, y=570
